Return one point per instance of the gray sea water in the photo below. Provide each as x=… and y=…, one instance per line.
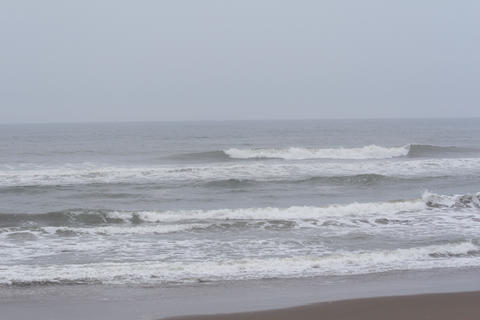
x=179, y=203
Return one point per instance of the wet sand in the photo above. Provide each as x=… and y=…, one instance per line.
x=448, y=306
x=103, y=302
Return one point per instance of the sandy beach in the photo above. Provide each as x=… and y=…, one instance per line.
x=458, y=306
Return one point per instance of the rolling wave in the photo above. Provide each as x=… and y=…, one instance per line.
x=426, y=150
x=202, y=156
x=294, y=153
x=302, y=153
x=368, y=210
x=360, y=153
x=362, y=179
x=356, y=179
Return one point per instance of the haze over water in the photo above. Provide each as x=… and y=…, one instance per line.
x=183, y=202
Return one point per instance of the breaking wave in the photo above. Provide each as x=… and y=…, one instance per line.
x=135, y=249
x=202, y=218
x=360, y=153
x=294, y=153
x=104, y=217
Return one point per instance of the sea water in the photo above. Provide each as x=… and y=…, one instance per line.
x=191, y=202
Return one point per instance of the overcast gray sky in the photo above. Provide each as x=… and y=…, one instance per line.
x=113, y=60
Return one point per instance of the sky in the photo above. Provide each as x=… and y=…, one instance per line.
x=115, y=60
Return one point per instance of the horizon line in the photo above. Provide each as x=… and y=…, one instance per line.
x=235, y=120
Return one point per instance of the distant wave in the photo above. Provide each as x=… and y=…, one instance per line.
x=202, y=156
x=230, y=183
x=294, y=153
x=363, y=179
x=360, y=153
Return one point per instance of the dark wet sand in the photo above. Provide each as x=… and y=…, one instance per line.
x=448, y=306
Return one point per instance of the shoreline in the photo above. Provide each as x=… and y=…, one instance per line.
x=439, y=306
x=111, y=302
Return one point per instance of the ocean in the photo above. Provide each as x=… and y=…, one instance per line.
x=182, y=203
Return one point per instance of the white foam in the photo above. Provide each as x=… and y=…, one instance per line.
x=337, y=218
x=88, y=173
x=270, y=213
x=293, y=153
x=128, y=229
x=277, y=253
x=340, y=263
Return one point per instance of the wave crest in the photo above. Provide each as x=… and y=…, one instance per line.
x=102, y=217
x=356, y=209
x=336, y=217
x=358, y=153
x=295, y=153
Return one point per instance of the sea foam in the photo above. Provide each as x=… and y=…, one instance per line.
x=339, y=263
x=256, y=171
x=295, y=153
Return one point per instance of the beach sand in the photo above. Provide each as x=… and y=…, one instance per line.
x=448, y=306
